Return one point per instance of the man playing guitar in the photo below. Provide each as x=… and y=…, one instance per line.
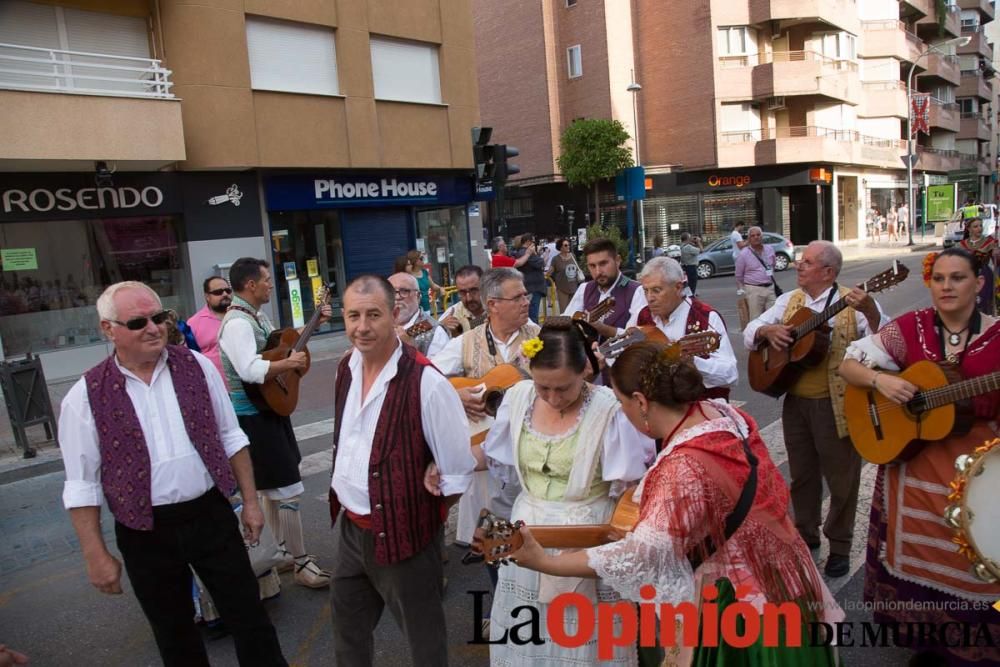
x=812, y=415
x=663, y=281
x=412, y=325
x=604, y=265
x=273, y=449
x=469, y=312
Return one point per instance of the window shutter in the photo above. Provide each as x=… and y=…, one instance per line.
x=292, y=57
x=405, y=71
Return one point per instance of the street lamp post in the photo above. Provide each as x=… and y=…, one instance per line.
x=911, y=211
x=634, y=88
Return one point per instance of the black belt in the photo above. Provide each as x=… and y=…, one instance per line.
x=764, y=285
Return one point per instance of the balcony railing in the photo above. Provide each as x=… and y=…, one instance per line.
x=55, y=70
x=846, y=136
x=884, y=85
x=754, y=59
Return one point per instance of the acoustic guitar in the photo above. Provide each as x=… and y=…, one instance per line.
x=774, y=372
x=500, y=537
x=496, y=383
x=697, y=344
x=883, y=431
x=473, y=323
x=280, y=393
x=598, y=313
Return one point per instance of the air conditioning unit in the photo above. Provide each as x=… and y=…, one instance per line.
x=776, y=103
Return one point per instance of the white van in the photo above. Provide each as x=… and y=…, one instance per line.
x=956, y=228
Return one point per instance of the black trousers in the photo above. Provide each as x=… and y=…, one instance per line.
x=691, y=270
x=205, y=534
x=361, y=590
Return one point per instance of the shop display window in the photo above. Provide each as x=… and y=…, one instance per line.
x=53, y=273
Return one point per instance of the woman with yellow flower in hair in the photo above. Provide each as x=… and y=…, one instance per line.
x=921, y=563
x=573, y=450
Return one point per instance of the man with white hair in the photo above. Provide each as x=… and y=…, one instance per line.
x=413, y=326
x=663, y=282
x=755, y=273
x=151, y=430
x=812, y=416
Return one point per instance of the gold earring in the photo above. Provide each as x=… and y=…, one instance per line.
x=645, y=422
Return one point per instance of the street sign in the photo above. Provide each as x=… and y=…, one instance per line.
x=909, y=160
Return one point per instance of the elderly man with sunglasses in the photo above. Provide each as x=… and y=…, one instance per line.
x=206, y=322
x=151, y=430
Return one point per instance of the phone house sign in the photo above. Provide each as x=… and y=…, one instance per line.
x=384, y=189
x=43, y=200
x=286, y=192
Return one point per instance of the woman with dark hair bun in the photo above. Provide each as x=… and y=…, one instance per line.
x=698, y=525
x=568, y=445
x=919, y=568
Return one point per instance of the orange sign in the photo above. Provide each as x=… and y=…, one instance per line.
x=820, y=175
x=715, y=181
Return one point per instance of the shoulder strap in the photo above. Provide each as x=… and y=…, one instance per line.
x=766, y=267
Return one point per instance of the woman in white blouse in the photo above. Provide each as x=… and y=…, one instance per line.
x=573, y=451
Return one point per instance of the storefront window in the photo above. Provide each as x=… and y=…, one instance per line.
x=725, y=209
x=445, y=232
x=307, y=251
x=49, y=286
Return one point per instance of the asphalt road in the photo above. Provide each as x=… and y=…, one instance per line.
x=48, y=610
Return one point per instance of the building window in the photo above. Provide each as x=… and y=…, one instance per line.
x=839, y=45
x=967, y=105
x=740, y=122
x=49, y=305
x=736, y=40
x=405, y=71
x=291, y=57
x=571, y=3
x=574, y=61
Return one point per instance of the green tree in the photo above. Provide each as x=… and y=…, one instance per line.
x=610, y=232
x=594, y=149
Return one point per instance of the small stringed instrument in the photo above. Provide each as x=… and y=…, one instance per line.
x=473, y=323
x=421, y=327
x=500, y=537
x=598, y=313
x=883, y=431
x=697, y=344
x=280, y=394
x=774, y=372
x=496, y=383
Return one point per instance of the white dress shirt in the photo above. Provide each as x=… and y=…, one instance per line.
x=736, y=239
x=720, y=368
x=775, y=313
x=177, y=471
x=576, y=303
x=238, y=343
x=440, y=335
x=449, y=360
x=445, y=428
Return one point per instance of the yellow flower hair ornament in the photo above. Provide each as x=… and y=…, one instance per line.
x=928, y=267
x=532, y=347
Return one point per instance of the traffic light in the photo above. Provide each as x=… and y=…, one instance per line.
x=501, y=152
x=484, y=156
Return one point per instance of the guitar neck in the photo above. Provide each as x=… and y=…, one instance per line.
x=960, y=391
x=820, y=318
x=308, y=330
x=572, y=537
x=600, y=311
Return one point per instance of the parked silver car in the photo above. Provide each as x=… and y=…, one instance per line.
x=717, y=259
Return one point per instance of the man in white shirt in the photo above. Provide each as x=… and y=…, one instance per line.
x=607, y=280
x=412, y=325
x=663, y=281
x=151, y=430
x=736, y=238
x=395, y=415
x=469, y=313
x=812, y=414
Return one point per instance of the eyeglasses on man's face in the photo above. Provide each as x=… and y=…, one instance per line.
x=139, y=323
x=468, y=292
x=404, y=293
x=221, y=291
x=524, y=296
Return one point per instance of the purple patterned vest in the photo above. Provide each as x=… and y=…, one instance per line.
x=125, y=467
x=622, y=293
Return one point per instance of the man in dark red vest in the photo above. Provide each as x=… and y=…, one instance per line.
x=663, y=281
x=395, y=414
x=607, y=280
x=152, y=431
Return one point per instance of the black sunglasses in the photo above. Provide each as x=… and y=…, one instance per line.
x=139, y=323
x=221, y=291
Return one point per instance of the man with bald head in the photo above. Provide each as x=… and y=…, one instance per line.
x=755, y=273
x=152, y=431
x=413, y=326
x=812, y=416
x=395, y=414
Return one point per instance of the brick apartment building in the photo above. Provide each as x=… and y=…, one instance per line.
x=158, y=140
x=785, y=113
